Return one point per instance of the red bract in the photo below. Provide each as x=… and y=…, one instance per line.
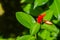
x=40, y=17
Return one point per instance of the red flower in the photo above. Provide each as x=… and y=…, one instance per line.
x=40, y=17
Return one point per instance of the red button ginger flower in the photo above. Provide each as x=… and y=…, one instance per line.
x=40, y=17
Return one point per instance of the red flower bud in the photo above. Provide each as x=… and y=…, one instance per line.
x=40, y=17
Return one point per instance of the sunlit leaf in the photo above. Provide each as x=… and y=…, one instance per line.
x=49, y=14
x=58, y=17
x=56, y=8
x=1, y=10
x=39, y=2
x=18, y=38
x=44, y=34
x=27, y=8
x=26, y=1
x=25, y=19
x=49, y=38
x=34, y=29
x=22, y=1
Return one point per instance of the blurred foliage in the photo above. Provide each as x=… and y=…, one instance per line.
x=18, y=20
x=1, y=10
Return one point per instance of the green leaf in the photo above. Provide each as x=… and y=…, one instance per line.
x=39, y=2
x=49, y=14
x=56, y=8
x=27, y=8
x=55, y=21
x=34, y=29
x=27, y=37
x=44, y=34
x=1, y=38
x=51, y=28
x=26, y=1
x=22, y=1
x=50, y=38
x=11, y=39
x=25, y=19
x=54, y=35
x=58, y=17
x=18, y=38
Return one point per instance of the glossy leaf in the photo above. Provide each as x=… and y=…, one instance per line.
x=27, y=8
x=34, y=29
x=27, y=37
x=25, y=19
x=39, y=2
